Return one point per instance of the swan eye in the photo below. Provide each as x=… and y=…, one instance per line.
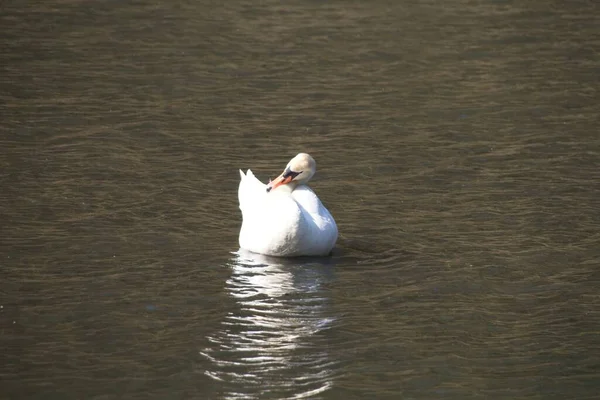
x=288, y=172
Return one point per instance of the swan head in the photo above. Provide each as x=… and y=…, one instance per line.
x=297, y=172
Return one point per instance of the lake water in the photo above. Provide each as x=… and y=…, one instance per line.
x=458, y=148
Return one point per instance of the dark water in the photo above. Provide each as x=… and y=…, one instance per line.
x=458, y=147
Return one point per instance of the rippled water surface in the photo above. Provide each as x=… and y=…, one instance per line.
x=458, y=148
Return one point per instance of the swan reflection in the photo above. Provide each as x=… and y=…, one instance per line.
x=273, y=344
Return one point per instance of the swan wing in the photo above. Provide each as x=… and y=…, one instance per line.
x=251, y=192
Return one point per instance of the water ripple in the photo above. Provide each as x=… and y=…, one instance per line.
x=273, y=343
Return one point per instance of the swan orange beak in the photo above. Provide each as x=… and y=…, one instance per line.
x=282, y=179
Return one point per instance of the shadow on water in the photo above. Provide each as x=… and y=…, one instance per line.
x=272, y=343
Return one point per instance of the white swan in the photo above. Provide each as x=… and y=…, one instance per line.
x=285, y=218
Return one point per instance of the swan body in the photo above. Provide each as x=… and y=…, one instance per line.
x=285, y=218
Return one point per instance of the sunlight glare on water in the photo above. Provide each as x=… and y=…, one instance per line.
x=272, y=341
